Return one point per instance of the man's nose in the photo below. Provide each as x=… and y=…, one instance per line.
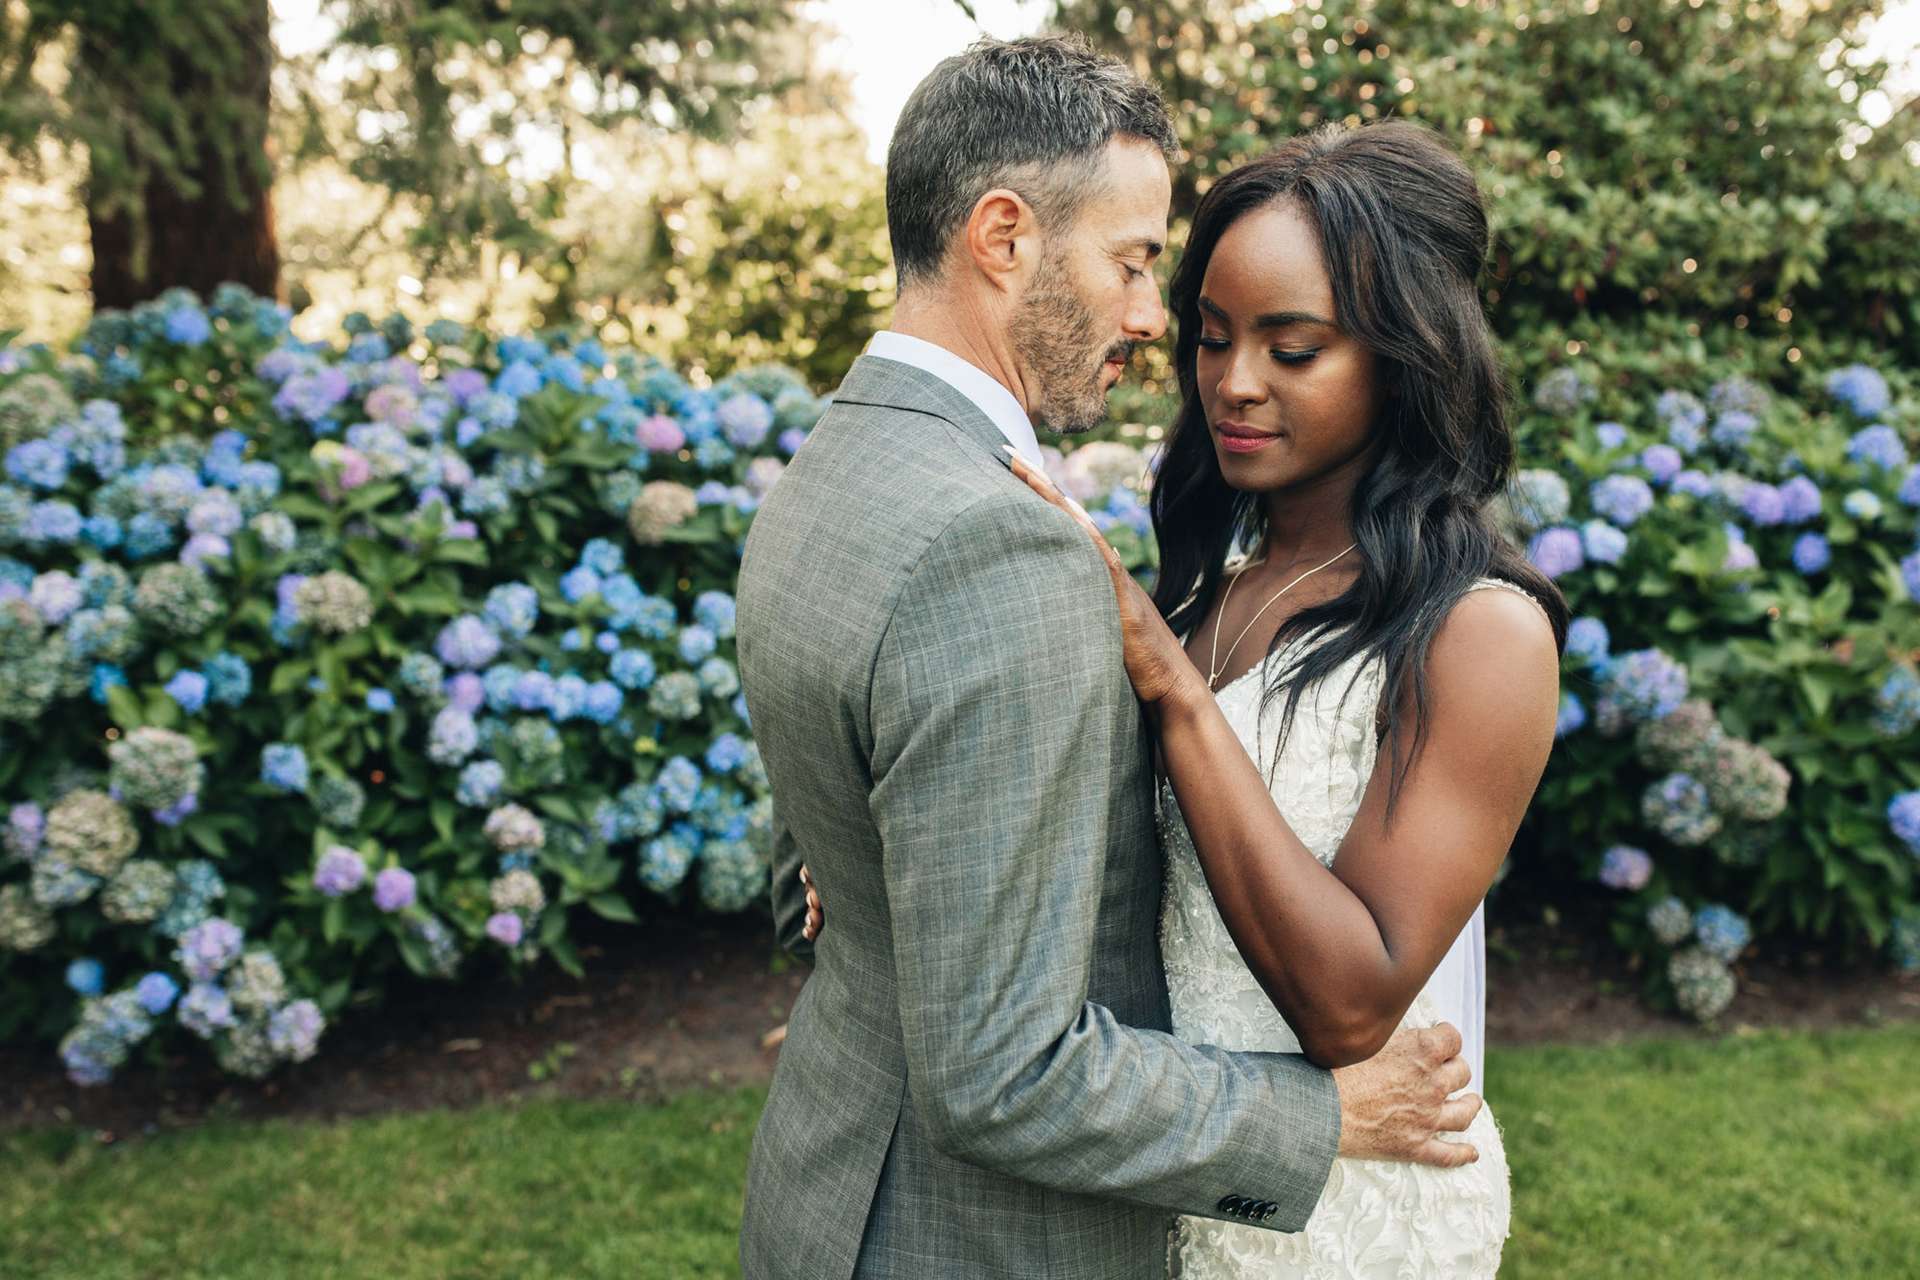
x=1147, y=318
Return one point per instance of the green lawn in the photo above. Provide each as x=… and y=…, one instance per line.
x=1762, y=1156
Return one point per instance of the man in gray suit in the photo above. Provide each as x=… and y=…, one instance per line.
x=978, y=1078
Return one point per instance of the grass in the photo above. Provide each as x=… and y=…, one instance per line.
x=1762, y=1155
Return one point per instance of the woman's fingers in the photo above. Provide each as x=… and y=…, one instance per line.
x=1041, y=483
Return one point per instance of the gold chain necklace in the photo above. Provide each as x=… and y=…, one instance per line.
x=1214, y=668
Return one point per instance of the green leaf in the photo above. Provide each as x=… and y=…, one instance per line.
x=124, y=706
x=612, y=906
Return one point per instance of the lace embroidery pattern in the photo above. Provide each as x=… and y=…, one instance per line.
x=1375, y=1218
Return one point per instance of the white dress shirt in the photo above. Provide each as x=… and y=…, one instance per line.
x=970, y=380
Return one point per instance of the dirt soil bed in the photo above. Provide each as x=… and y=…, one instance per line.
x=677, y=1005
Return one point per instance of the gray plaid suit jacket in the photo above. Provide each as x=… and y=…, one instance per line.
x=978, y=1078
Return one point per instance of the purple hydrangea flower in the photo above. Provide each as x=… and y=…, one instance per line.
x=1811, y=553
x=505, y=928
x=209, y=947
x=1763, y=504
x=341, y=870
x=1878, y=446
x=1625, y=867
x=1910, y=575
x=156, y=992
x=1799, y=500
x=1556, y=551
x=467, y=643
x=393, y=889
x=1694, y=483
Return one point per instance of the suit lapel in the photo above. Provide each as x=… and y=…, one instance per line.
x=875, y=380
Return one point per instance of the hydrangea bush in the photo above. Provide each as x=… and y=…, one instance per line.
x=322, y=659
x=1737, y=757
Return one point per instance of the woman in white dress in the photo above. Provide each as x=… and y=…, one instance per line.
x=1344, y=416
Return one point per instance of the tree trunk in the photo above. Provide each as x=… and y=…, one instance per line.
x=220, y=228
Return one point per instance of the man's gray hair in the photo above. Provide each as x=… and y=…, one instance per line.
x=1033, y=115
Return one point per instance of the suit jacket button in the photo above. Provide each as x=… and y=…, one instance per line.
x=1230, y=1204
x=1270, y=1209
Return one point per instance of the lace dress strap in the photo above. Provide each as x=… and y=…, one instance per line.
x=1482, y=584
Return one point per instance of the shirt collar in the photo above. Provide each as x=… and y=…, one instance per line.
x=970, y=380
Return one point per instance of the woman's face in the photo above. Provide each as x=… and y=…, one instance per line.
x=1291, y=400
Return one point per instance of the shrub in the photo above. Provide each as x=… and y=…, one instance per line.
x=318, y=660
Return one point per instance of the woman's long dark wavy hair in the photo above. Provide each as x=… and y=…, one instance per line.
x=1404, y=236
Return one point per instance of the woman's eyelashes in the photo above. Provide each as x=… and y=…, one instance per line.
x=1282, y=354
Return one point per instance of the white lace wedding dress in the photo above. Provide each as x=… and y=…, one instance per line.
x=1375, y=1218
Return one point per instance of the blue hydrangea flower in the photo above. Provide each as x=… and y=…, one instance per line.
x=1602, y=543
x=1588, y=641
x=187, y=326
x=696, y=644
x=1662, y=462
x=1572, y=717
x=632, y=669
x=481, y=784
x=1878, y=446
x=1556, y=551
x=1684, y=418
x=87, y=976
x=1678, y=807
x=1896, y=706
x=1910, y=575
x=1861, y=389
x=155, y=992
x=1611, y=435
x=745, y=419
x=666, y=859
x=1622, y=499
x=578, y=583
x=1721, y=932
x=189, y=689
x=380, y=700
x=1811, y=553
x=678, y=783
x=1646, y=684
x=716, y=611
x=43, y=464
x=1733, y=431
x=1694, y=483
x=1540, y=498
x=652, y=618
x=727, y=753
x=284, y=765
x=1903, y=815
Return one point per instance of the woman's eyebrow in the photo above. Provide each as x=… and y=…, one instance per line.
x=1271, y=320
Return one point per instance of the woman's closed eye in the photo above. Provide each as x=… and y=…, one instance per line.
x=1283, y=354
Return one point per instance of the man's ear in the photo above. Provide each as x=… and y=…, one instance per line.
x=1000, y=237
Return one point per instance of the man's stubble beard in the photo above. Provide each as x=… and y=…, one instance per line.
x=1056, y=337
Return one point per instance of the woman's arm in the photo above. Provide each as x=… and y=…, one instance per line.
x=1343, y=953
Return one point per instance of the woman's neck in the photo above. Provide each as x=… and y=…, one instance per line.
x=1307, y=526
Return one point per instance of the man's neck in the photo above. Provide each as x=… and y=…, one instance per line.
x=958, y=325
